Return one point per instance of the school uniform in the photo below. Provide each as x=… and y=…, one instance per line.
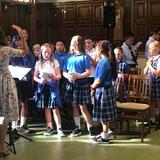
x=47, y=95
x=155, y=90
x=105, y=102
x=78, y=91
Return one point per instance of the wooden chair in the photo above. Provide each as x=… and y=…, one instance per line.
x=137, y=106
x=121, y=87
x=136, y=70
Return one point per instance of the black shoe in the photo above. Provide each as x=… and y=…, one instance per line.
x=24, y=129
x=49, y=131
x=76, y=132
x=92, y=133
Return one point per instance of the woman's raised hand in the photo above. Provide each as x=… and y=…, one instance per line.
x=18, y=29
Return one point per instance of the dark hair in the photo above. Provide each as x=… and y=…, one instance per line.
x=2, y=38
x=128, y=35
x=88, y=37
x=105, y=47
x=119, y=47
x=60, y=40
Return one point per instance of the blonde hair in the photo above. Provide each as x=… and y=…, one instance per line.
x=156, y=44
x=36, y=46
x=51, y=59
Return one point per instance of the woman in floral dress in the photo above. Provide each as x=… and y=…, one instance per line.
x=8, y=91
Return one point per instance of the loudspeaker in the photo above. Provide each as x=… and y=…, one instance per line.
x=108, y=16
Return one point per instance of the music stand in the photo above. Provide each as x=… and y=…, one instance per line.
x=18, y=73
x=12, y=139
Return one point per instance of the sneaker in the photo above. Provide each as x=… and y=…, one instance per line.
x=92, y=133
x=60, y=133
x=24, y=129
x=76, y=132
x=100, y=140
x=49, y=131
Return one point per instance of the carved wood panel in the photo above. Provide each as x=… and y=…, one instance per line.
x=84, y=13
x=97, y=12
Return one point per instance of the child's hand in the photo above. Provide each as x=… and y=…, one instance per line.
x=150, y=61
x=42, y=81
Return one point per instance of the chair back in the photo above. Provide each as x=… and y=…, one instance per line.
x=139, y=88
x=121, y=87
x=136, y=70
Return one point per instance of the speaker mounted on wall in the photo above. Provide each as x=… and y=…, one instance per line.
x=108, y=16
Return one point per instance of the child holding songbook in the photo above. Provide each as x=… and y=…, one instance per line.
x=153, y=69
x=46, y=74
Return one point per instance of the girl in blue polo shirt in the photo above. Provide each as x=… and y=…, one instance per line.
x=77, y=71
x=104, y=109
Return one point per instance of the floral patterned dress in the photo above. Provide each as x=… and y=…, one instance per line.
x=8, y=90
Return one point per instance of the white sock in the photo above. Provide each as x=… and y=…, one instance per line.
x=14, y=125
x=104, y=135
x=77, y=121
x=23, y=121
x=59, y=126
x=49, y=125
x=89, y=126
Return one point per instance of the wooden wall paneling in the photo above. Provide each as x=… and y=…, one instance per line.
x=97, y=12
x=42, y=23
x=154, y=10
x=68, y=13
x=98, y=31
x=84, y=13
x=140, y=31
x=140, y=11
x=84, y=29
x=140, y=19
x=68, y=32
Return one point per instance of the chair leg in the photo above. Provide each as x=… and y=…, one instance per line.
x=115, y=129
x=128, y=126
x=142, y=127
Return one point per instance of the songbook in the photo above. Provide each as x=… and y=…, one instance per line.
x=136, y=46
x=47, y=76
x=18, y=72
x=73, y=74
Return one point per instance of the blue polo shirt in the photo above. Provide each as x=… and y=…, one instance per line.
x=103, y=72
x=77, y=63
x=61, y=58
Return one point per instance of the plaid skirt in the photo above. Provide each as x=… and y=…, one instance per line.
x=47, y=97
x=104, y=108
x=155, y=91
x=77, y=93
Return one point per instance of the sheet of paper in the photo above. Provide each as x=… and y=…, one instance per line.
x=18, y=72
x=137, y=45
x=46, y=76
